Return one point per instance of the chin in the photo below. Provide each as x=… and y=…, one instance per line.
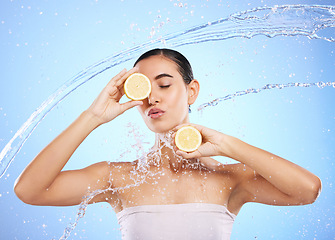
x=161, y=129
x=164, y=125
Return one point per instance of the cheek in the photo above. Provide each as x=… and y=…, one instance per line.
x=178, y=101
x=179, y=97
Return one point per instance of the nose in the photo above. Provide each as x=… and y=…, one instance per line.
x=153, y=98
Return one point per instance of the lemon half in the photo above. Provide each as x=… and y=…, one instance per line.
x=188, y=139
x=137, y=86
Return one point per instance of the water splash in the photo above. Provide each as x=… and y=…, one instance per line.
x=286, y=20
x=266, y=87
x=140, y=172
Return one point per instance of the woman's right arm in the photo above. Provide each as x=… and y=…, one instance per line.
x=44, y=183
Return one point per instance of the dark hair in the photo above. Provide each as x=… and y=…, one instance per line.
x=184, y=67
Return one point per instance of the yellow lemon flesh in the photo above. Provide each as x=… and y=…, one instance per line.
x=137, y=86
x=188, y=139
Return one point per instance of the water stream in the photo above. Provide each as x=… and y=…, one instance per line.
x=286, y=20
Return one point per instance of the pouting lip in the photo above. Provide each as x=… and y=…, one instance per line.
x=155, y=110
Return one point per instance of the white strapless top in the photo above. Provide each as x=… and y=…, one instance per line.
x=193, y=221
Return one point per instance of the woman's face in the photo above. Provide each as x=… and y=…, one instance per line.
x=167, y=105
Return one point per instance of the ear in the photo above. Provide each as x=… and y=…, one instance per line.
x=193, y=89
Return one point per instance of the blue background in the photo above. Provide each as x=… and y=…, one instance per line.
x=45, y=43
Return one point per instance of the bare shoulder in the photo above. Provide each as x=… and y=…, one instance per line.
x=108, y=176
x=104, y=170
x=119, y=172
x=99, y=169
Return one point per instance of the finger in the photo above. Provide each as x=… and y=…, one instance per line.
x=121, y=89
x=128, y=105
x=117, y=76
x=195, y=154
x=119, y=82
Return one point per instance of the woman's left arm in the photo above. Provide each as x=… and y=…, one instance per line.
x=276, y=181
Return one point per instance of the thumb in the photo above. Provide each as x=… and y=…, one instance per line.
x=128, y=105
x=195, y=154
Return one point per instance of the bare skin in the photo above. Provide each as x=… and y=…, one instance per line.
x=259, y=177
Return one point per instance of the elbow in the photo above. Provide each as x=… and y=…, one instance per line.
x=316, y=188
x=24, y=195
x=313, y=191
x=20, y=193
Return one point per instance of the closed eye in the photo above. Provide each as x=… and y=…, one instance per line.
x=164, y=86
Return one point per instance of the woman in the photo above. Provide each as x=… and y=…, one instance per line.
x=167, y=194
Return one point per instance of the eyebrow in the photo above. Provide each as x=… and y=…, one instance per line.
x=163, y=75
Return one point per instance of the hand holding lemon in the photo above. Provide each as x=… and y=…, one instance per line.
x=197, y=141
x=188, y=139
x=107, y=105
